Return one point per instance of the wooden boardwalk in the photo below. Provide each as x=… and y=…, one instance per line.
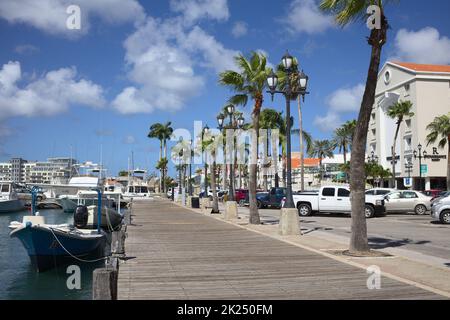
x=178, y=254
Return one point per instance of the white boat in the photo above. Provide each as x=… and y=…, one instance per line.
x=8, y=199
x=85, y=198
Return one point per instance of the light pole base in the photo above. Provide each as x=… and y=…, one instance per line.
x=206, y=205
x=231, y=210
x=289, y=222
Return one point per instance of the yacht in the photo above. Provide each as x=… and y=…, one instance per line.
x=9, y=202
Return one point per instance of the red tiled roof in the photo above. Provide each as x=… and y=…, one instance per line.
x=309, y=162
x=424, y=67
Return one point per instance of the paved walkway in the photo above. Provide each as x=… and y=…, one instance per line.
x=179, y=254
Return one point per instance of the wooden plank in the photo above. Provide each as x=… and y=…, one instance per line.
x=183, y=255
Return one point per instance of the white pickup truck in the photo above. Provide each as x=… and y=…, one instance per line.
x=335, y=199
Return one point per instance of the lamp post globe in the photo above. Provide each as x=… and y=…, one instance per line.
x=287, y=61
x=272, y=81
x=303, y=81
x=220, y=120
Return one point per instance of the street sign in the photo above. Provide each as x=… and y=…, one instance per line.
x=424, y=169
x=407, y=182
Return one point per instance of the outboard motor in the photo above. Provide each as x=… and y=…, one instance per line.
x=80, y=217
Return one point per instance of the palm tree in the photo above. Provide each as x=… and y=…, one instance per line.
x=343, y=138
x=166, y=133
x=346, y=11
x=271, y=120
x=398, y=111
x=156, y=132
x=249, y=84
x=440, y=129
x=162, y=167
x=321, y=149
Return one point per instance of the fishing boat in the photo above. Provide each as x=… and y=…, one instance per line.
x=9, y=202
x=49, y=246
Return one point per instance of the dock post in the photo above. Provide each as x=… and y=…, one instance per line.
x=104, y=284
x=118, y=241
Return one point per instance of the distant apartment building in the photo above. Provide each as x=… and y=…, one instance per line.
x=22, y=171
x=428, y=88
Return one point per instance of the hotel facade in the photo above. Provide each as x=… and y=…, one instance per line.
x=428, y=88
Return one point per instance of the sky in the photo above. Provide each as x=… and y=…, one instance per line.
x=93, y=92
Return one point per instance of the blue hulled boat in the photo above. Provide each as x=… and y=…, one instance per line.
x=49, y=246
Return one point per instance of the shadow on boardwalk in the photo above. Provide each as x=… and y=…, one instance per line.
x=184, y=255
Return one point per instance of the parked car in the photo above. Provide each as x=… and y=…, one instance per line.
x=432, y=193
x=379, y=191
x=407, y=201
x=440, y=210
x=240, y=196
x=273, y=198
x=335, y=199
x=441, y=195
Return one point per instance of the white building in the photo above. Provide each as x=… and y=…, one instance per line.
x=22, y=171
x=428, y=88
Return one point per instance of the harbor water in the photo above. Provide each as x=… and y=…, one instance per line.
x=18, y=278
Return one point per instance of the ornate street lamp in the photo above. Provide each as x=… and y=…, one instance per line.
x=373, y=159
x=420, y=155
x=272, y=82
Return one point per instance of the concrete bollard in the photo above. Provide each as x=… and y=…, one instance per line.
x=289, y=222
x=189, y=202
x=206, y=205
x=231, y=210
x=104, y=284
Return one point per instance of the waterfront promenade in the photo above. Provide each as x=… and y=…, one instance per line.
x=175, y=253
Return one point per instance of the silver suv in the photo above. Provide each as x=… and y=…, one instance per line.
x=440, y=210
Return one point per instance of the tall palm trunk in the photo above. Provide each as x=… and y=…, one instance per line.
x=394, y=155
x=161, y=171
x=448, y=163
x=358, y=239
x=254, y=214
x=215, y=208
x=302, y=155
x=275, y=162
x=344, y=146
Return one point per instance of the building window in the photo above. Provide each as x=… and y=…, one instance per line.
x=408, y=144
x=374, y=132
x=408, y=124
x=373, y=116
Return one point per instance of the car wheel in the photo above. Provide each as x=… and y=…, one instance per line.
x=39, y=198
x=420, y=209
x=304, y=210
x=445, y=217
x=241, y=203
x=369, y=211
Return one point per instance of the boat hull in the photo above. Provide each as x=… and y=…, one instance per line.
x=48, y=249
x=7, y=206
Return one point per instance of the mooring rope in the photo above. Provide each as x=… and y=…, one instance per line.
x=75, y=257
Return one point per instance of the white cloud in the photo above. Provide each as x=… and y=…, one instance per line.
x=26, y=49
x=327, y=123
x=343, y=100
x=49, y=94
x=240, y=29
x=162, y=56
x=424, y=46
x=129, y=139
x=346, y=100
x=50, y=15
x=215, y=55
x=194, y=10
x=304, y=16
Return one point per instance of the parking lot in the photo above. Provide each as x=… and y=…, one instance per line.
x=414, y=234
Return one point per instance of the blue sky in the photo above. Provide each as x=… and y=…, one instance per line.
x=134, y=63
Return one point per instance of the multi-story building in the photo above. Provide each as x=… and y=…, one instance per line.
x=428, y=88
x=22, y=171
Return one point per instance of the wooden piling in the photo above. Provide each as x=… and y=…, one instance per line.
x=104, y=284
